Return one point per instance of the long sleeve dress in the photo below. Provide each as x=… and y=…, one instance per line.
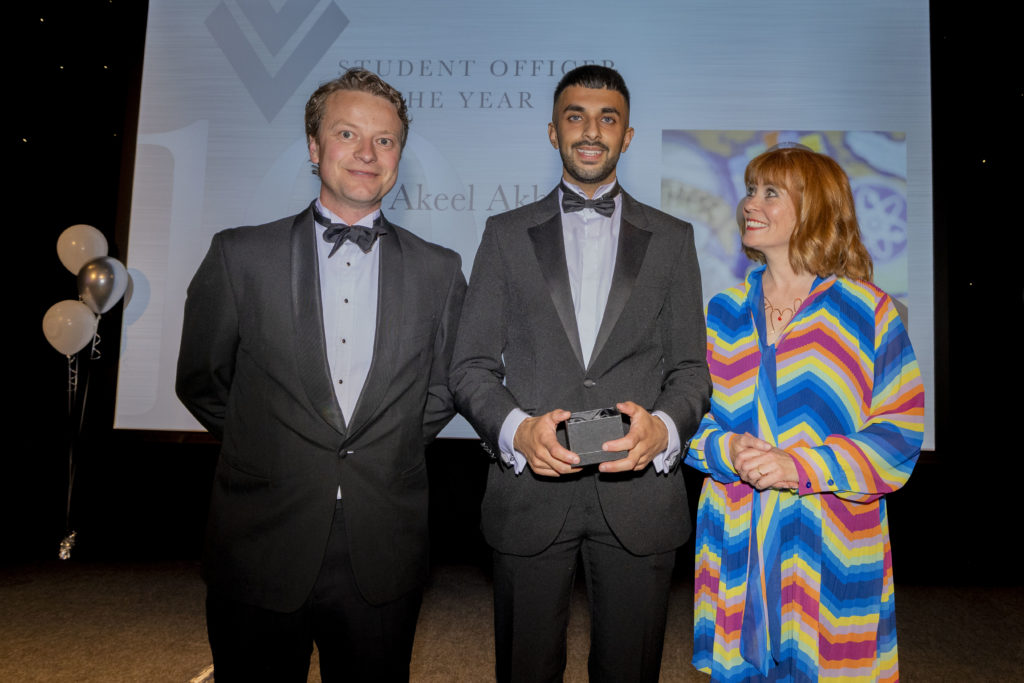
x=797, y=585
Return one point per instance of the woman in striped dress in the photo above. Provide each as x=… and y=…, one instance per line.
x=817, y=413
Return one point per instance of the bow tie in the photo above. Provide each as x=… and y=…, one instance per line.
x=604, y=205
x=359, y=235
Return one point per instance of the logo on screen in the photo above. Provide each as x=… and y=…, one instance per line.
x=270, y=30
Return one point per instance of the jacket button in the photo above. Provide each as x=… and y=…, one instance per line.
x=589, y=383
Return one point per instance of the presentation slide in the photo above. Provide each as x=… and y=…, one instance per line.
x=221, y=140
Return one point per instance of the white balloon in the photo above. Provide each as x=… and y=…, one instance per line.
x=80, y=244
x=68, y=326
x=129, y=290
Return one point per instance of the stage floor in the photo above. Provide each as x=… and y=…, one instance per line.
x=82, y=622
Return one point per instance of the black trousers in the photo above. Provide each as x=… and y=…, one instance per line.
x=628, y=597
x=357, y=641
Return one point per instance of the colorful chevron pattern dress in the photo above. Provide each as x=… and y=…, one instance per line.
x=797, y=585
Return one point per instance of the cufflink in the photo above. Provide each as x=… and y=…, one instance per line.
x=488, y=450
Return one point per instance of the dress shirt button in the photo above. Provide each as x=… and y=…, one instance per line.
x=589, y=383
x=346, y=300
x=341, y=381
x=342, y=340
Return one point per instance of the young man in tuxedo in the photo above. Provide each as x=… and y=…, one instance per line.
x=317, y=349
x=584, y=300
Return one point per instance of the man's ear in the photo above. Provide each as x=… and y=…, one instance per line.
x=626, y=139
x=314, y=149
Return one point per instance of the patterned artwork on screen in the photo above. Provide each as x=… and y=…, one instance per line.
x=702, y=182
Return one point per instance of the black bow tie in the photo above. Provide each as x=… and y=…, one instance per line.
x=359, y=235
x=604, y=205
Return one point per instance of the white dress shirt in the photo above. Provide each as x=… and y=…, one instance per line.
x=591, y=244
x=349, y=281
x=348, y=294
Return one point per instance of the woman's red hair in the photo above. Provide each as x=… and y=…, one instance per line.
x=826, y=239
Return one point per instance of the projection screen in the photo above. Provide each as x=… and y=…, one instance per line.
x=220, y=138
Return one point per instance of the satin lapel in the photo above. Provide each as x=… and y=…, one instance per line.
x=629, y=259
x=308, y=322
x=550, y=250
x=390, y=281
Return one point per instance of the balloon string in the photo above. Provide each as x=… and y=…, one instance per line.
x=71, y=486
x=94, y=352
x=71, y=450
x=72, y=382
x=81, y=409
x=68, y=542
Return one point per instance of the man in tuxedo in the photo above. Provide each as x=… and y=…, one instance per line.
x=584, y=300
x=317, y=349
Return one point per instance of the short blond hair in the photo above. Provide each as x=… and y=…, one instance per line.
x=360, y=80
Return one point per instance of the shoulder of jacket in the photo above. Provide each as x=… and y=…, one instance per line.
x=655, y=219
x=270, y=230
x=426, y=248
x=527, y=216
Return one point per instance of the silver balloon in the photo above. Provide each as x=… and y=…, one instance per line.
x=101, y=283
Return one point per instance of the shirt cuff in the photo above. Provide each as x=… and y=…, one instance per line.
x=509, y=455
x=665, y=461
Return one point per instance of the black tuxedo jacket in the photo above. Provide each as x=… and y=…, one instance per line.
x=518, y=347
x=253, y=370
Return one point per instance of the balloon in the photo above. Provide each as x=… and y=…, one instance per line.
x=80, y=244
x=129, y=290
x=101, y=283
x=68, y=326
x=136, y=298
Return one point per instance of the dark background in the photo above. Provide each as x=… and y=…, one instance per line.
x=76, y=68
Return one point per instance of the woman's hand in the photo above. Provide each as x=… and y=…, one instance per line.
x=762, y=465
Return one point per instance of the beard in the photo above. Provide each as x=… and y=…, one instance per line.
x=587, y=174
